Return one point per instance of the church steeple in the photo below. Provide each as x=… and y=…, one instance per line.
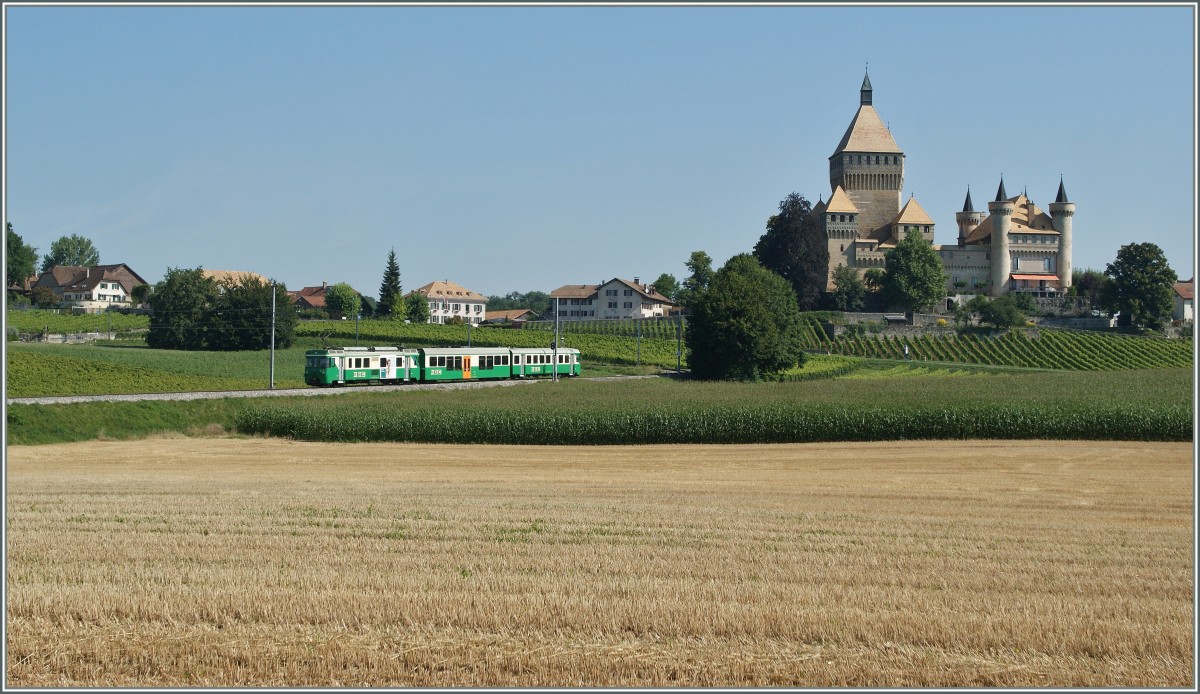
x=864, y=93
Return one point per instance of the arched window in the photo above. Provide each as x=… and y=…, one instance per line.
x=842, y=248
x=876, y=158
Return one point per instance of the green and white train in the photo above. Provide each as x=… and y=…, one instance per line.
x=338, y=366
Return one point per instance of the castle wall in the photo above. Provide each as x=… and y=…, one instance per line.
x=873, y=182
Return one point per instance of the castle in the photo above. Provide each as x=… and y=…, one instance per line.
x=1015, y=247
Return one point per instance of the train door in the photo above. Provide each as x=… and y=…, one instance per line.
x=466, y=367
x=385, y=369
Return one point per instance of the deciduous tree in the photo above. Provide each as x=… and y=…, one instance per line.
x=416, y=308
x=745, y=325
x=182, y=305
x=241, y=317
x=667, y=285
x=71, y=250
x=21, y=259
x=913, y=276
x=700, y=265
x=342, y=300
x=794, y=248
x=1140, y=286
x=849, y=289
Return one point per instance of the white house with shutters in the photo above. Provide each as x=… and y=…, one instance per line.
x=448, y=300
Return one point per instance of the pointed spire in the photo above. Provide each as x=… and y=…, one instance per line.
x=967, y=206
x=864, y=93
x=1001, y=196
x=1062, y=192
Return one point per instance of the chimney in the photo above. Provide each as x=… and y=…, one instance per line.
x=323, y=284
x=637, y=280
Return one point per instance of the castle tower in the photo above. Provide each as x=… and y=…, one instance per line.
x=1002, y=211
x=1061, y=211
x=869, y=167
x=967, y=220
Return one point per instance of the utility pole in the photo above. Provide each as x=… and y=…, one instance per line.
x=272, y=336
x=468, y=331
x=639, y=341
x=555, y=345
x=678, y=343
x=356, y=317
x=109, y=313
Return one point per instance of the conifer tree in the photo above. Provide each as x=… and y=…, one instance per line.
x=389, y=289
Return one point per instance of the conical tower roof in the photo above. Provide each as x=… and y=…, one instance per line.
x=1001, y=196
x=912, y=213
x=1062, y=192
x=967, y=206
x=840, y=202
x=867, y=133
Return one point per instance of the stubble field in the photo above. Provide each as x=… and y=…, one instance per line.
x=226, y=562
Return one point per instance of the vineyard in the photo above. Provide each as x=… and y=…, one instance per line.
x=37, y=321
x=593, y=347
x=1045, y=349
x=657, y=328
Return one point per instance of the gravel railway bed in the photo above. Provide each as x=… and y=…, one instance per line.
x=212, y=395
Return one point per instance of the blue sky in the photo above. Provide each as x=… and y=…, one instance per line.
x=524, y=148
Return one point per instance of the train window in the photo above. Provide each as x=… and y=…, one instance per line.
x=516, y=359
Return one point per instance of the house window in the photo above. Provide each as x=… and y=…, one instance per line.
x=628, y=292
x=612, y=304
x=456, y=307
x=628, y=304
x=610, y=292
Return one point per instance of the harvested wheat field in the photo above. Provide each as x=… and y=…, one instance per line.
x=232, y=562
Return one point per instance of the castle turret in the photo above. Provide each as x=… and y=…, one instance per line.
x=1061, y=211
x=1002, y=211
x=967, y=220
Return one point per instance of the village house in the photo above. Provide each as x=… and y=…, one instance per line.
x=92, y=289
x=1183, y=301
x=511, y=316
x=309, y=297
x=614, y=299
x=448, y=300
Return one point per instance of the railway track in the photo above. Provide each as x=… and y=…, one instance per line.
x=286, y=392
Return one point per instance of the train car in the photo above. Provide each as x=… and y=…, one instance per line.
x=337, y=366
x=342, y=365
x=532, y=362
x=464, y=363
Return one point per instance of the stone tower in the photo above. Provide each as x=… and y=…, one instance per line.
x=967, y=220
x=869, y=167
x=1061, y=211
x=1001, y=262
